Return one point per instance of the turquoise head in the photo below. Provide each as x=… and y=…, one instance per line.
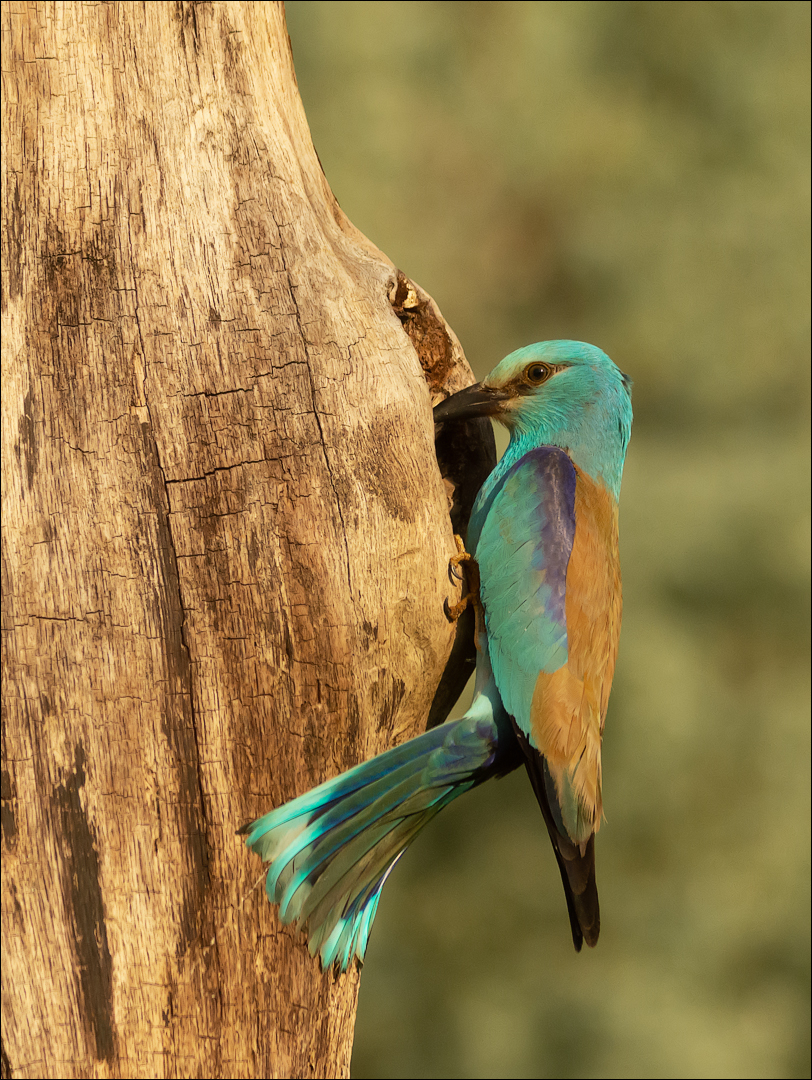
x=556, y=393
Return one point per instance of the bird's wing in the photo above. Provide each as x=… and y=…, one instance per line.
x=547, y=553
x=523, y=551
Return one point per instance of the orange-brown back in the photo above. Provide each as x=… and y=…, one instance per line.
x=569, y=705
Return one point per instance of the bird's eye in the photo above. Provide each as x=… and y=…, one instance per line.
x=536, y=374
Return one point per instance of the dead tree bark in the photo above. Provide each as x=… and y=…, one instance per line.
x=226, y=535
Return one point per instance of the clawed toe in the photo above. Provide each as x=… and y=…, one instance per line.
x=455, y=574
x=453, y=611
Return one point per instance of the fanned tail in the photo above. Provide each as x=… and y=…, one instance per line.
x=332, y=849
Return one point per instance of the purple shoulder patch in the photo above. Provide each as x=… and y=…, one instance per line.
x=555, y=479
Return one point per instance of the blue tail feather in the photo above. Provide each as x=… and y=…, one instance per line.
x=338, y=826
x=331, y=850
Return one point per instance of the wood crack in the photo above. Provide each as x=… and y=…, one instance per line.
x=218, y=469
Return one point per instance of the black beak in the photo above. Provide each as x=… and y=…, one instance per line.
x=476, y=400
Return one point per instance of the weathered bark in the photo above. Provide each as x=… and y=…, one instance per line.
x=226, y=535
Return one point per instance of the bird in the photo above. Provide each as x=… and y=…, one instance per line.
x=542, y=550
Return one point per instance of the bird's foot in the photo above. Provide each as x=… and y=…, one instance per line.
x=453, y=611
x=462, y=556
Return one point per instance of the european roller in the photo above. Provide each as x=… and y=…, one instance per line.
x=543, y=537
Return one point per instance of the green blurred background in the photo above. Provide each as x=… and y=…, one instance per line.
x=634, y=175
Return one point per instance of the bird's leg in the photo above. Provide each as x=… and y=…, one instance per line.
x=453, y=611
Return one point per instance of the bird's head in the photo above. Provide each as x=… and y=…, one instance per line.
x=556, y=393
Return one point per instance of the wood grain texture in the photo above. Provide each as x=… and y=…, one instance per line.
x=226, y=534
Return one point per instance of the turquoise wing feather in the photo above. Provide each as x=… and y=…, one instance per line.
x=523, y=536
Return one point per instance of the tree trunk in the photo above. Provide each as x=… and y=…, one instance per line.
x=226, y=535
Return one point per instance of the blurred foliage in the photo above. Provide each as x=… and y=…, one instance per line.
x=635, y=175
